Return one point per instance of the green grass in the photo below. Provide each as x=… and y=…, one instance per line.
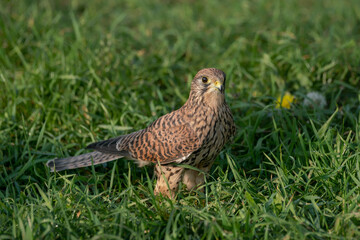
x=74, y=72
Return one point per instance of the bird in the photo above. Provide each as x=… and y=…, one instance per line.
x=192, y=135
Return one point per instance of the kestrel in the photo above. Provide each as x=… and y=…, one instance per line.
x=192, y=135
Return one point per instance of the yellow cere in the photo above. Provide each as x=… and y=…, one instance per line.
x=285, y=101
x=217, y=84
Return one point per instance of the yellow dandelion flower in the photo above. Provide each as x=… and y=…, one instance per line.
x=285, y=101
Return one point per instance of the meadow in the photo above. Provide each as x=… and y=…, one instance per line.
x=75, y=72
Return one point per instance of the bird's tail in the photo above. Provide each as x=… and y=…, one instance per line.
x=83, y=160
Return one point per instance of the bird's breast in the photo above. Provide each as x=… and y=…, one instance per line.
x=212, y=126
x=213, y=129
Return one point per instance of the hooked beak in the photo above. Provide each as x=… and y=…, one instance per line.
x=219, y=86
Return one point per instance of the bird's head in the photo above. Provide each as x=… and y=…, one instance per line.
x=209, y=85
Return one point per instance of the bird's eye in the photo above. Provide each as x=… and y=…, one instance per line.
x=205, y=79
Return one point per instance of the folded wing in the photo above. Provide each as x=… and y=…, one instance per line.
x=165, y=141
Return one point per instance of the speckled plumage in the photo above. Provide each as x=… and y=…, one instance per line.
x=192, y=135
